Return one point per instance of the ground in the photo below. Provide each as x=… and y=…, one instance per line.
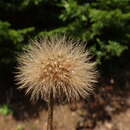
x=118, y=122
x=65, y=119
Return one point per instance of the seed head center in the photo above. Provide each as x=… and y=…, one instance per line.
x=56, y=70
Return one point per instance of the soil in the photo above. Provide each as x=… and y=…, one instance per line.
x=118, y=122
x=65, y=119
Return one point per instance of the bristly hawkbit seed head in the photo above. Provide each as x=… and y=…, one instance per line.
x=56, y=65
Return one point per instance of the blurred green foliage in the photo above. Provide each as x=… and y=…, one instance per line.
x=5, y=110
x=11, y=41
x=104, y=25
x=20, y=128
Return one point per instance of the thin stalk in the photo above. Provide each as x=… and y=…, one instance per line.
x=50, y=112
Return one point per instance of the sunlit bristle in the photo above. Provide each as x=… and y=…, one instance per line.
x=56, y=65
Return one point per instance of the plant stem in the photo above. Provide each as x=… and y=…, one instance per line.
x=50, y=112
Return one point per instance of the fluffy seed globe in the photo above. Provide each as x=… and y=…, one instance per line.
x=56, y=65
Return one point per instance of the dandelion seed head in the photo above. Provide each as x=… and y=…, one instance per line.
x=56, y=65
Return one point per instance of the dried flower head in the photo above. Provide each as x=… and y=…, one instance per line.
x=56, y=65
